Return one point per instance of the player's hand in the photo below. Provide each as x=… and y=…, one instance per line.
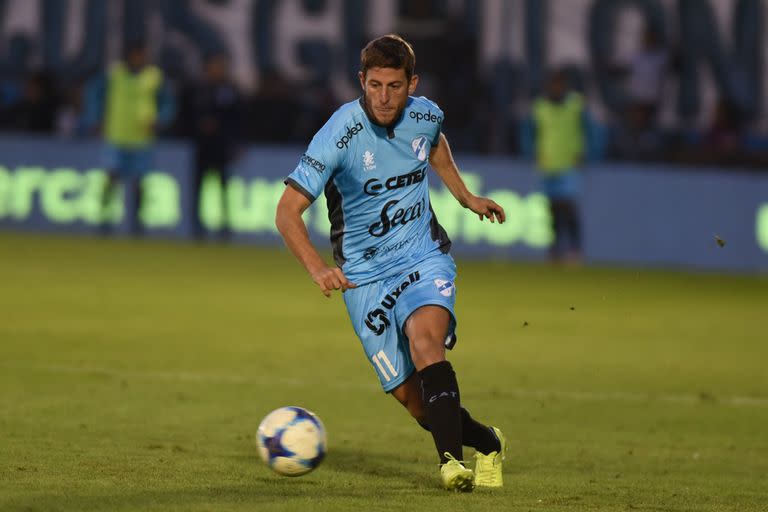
x=329, y=279
x=486, y=208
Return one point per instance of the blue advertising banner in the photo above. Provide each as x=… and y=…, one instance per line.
x=54, y=185
x=632, y=214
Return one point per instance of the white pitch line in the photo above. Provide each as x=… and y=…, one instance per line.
x=538, y=394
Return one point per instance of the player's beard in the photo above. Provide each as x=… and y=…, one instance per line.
x=371, y=111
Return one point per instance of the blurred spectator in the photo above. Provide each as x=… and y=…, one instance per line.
x=128, y=104
x=646, y=72
x=316, y=105
x=559, y=119
x=723, y=140
x=458, y=49
x=637, y=137
x=211, y=114
x=35, y=110
x=70, y=120
x=274, y=110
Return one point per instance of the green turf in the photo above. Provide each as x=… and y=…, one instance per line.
x=133, y=376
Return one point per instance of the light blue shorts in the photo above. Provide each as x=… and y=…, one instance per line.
x=127, y=163
x=561, y=186
x=379, y=310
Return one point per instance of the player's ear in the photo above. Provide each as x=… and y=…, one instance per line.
x=361, y=76
x=412, y=84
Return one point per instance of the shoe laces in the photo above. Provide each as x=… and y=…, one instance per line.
x=451, y=458
x=489, y=460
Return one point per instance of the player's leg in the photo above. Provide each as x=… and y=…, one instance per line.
x=574, y=228
x=557, y=209
x=111, y=160
x=409, y=395
x=141, y=164
x=427, y=307
x=426, y=329
x=473, y=433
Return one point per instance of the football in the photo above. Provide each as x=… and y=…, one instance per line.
x=291, y=440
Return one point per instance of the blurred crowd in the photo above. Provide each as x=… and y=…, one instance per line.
x=213, y=110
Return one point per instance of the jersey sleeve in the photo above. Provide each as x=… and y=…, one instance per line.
x=316, y=166
x=436, y=115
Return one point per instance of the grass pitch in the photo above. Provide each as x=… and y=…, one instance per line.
x=133, y=375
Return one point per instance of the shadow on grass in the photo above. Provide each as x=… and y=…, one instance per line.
x=389, y=469
x=350, y=477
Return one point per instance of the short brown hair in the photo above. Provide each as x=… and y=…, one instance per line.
x=390, y=51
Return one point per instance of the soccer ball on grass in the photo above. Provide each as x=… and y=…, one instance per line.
x=291, y=441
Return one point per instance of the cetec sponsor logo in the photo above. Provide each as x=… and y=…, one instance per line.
x=343, y=142
x=399, y=217
x=315, y=164
x=429, y=116
x=377, y=320
x=374, y=186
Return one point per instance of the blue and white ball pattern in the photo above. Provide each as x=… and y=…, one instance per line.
x=292, y=441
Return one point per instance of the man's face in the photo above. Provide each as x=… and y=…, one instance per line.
x=217, y=69
x=137, y=58
x=557, y=87
x=386, y=92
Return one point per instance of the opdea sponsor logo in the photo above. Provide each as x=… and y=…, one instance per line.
x=374, y=186
x=343, y=142
x=391, y=217
x=315, y=164
x=429, y=116
x=376, y=320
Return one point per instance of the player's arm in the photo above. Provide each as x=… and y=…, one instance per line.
x=441, y=160
x=294, y=232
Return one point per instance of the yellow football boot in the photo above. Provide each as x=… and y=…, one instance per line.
x=488, y=467
x=455, y=476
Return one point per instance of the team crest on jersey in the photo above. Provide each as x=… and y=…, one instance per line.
x=444, y=287
x=369, y=163
x=419, y=146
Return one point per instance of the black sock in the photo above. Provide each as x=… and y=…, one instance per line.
x=477, y=435
x=473, y=434
x=441, y=401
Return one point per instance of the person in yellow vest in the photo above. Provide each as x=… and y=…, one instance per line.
x=559, y=125
x=128, y=104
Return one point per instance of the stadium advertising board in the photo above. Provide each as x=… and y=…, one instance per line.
x=632, y=214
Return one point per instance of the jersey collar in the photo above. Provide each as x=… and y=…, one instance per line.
x=390, y=127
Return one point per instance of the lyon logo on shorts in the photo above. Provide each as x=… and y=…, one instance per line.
x=444, y=287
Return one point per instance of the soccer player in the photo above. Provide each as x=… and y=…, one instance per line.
x=391, y=255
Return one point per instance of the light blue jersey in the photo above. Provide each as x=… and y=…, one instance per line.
x=376, y=186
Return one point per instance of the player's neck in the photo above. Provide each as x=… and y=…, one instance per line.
x=389, y=127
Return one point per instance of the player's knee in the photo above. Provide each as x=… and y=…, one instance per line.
x=427, y=350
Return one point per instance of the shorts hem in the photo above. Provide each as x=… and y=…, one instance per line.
x=394, y=384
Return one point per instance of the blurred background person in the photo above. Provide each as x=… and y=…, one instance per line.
x=70, y=118
x=212, y=114
x=723, y=139
x=34, y=110
x=127, y=106
x=645, y=74
x=275, y=100
x=559, y=119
